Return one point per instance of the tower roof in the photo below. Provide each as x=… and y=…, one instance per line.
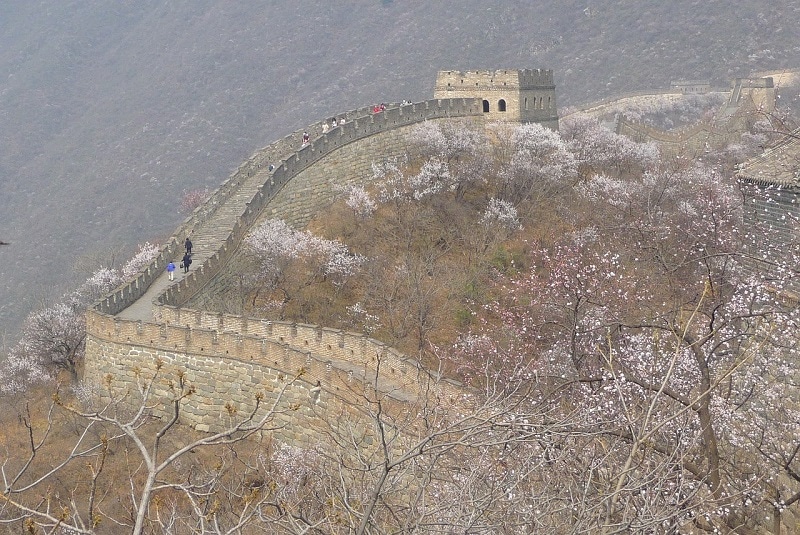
x=777, y=166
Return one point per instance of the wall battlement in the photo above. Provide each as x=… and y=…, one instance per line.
x=228, y=357
x=231, y=368
x=499, y=79
x=695, y=138
x=282, y=347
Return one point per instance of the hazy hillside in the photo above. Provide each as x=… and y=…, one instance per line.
x=110, y=110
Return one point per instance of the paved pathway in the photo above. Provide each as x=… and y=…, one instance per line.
x=206, y=240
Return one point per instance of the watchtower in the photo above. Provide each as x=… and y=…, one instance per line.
x=522, y=95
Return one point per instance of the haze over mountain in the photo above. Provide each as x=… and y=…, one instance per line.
x=110, y=110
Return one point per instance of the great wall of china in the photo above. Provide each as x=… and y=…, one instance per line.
x=228, y=358
x=151, y=321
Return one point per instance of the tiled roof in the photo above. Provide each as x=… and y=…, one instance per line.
x=778, y=165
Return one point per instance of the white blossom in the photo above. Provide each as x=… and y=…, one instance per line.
x=502, y=213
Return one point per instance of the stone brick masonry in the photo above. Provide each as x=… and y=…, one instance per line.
x=229, y=359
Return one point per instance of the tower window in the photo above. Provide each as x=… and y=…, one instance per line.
x=501, y=105
x=485, y=106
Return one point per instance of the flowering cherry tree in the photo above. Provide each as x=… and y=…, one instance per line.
x=597, y=149
x=534, y=163
x=395, y=184
x=274, y=246
x=53, y=337
x=360, y=202
x=146, y=253
x=194, y=198
x=462, y=146
x=661, y=333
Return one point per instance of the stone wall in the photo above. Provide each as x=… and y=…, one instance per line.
x=772, y=213
x=229, y=359
x=691, y=87
x=748, y=100
x=693, y=139
x=775, y=209
x=348, y=349
x=289, y=160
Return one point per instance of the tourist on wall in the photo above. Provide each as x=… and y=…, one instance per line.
x=187, y=261
x=171, y=271
x=188, y=245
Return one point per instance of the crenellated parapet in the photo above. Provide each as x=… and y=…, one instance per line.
x=694, y=138
x=498, y=79
x=229, y=358
x=346, y=349
x=288, y=159
x=151, y=322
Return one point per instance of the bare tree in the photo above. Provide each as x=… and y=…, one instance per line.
x=75, y=488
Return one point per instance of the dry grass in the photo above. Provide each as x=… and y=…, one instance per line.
x=117, y=471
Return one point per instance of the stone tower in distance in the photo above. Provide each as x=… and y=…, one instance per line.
x=522, y=95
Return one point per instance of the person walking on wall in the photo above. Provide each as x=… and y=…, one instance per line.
x=187, y=261
x=171, y=271
x=188, y=245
